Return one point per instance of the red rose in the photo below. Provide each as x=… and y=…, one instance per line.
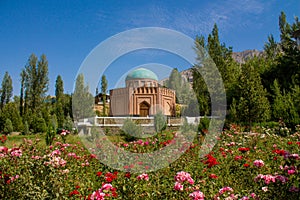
x=246, y=165
x=99, y=174
x=213, y=176
x=128, y=175
x=244, y=149
x=238, y=157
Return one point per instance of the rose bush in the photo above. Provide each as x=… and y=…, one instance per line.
x=259, y=165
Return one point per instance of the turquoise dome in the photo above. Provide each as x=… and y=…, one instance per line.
x=141, y=73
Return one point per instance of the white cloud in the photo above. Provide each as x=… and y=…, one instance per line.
x=192, y=20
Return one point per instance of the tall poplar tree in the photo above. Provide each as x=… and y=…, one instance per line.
x=222, y=57
x=59, y=88
x=6, y=90
x=36, y=82
x=82, y=100
x=59, y=94
x=22, y=89
x=104, y=91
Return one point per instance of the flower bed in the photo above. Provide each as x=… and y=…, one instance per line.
x=241, y=166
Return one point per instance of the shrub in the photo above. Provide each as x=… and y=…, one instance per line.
x=8, y=127
x=39, y=125
x=203, y=125
x=234, y=169
x=50, y=135
x=131, y=130
x=68, y=124
x=160, y=122
x=26, y=128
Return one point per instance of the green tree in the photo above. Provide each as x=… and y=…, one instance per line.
x=296, y=98
x=67, y=106
x=209, y=54
x=82, y=100
x=36, y=82
x=68, y=124
x=26, y=128
x=6, y=90
x=59, y=112
x=38, y=124
x=50, y=135
x=53, y=122
x=131, y=130
x=174, y=81
x=8, y=127
x=284, y=107
x=104, y=91
x=199, y=85
x=233, y=115
x=252, y=105
x=222, y=57
x=160, y=122
x=271, y=48
x=192, y=109
x=59, y=89
x=23, y=78
x=285, y=32
x=286, y=68
x=180, y=85
x=11, y=112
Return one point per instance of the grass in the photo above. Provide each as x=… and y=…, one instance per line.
x=16, y=140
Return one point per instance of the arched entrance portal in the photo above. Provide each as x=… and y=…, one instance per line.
x=144, y=109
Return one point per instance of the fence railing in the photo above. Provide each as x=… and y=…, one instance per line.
x=143, y=121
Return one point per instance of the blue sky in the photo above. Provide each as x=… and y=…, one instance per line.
x=67, y=31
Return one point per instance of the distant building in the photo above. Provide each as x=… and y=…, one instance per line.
x=142, y=96
x=98, y=106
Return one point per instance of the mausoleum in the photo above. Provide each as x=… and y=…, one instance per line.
x=142, y=96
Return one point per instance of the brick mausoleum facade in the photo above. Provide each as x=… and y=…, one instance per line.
x=142, y=96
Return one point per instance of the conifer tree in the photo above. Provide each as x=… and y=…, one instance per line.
x=252, y=105
x=104, y=91
x=59, y=89
x=6, y=90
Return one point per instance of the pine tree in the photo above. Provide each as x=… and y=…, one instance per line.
x=6, y=90
x=59, y=94
x=252, y=105
x=222, y=56
x=59, y=114
x=271, y=48
x=59, y=89
x=209, y=54
x=199, y=85
x=288, y=69
x=283, y=107
x=104, y=91
x=23, y=78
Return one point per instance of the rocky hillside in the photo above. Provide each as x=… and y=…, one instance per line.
x=241, y=57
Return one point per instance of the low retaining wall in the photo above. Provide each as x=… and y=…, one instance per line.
x=143, y=121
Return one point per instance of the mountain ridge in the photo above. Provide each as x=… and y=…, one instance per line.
x=240, y=57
